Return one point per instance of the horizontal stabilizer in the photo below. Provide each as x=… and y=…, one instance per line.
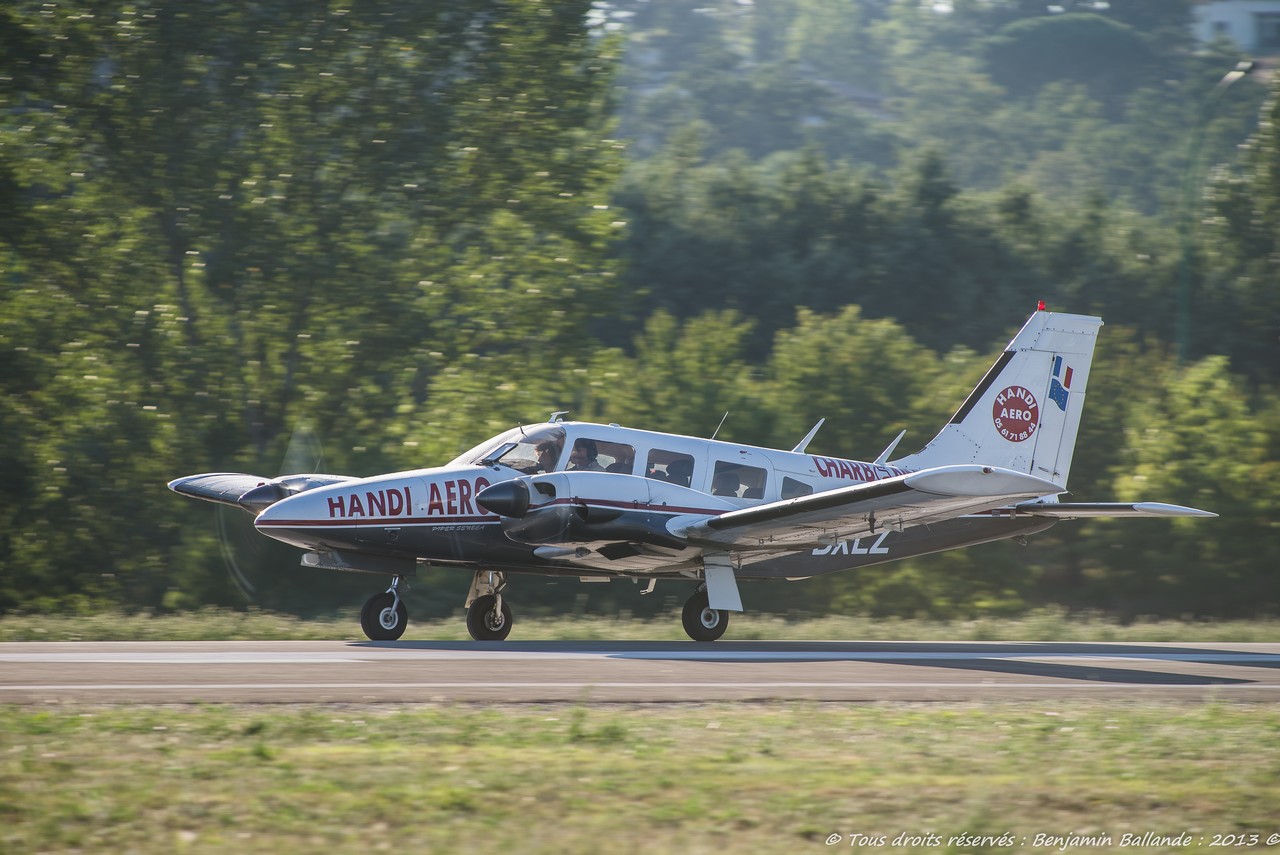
x=978, y=481
x=1083, y=510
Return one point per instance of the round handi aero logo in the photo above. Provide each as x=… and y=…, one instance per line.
x=1016, y=413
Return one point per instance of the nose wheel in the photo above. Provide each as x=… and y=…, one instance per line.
x=489, y=618
x=488, y=615
x=384, y=616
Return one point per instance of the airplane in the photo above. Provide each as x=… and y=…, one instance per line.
x=600, y=502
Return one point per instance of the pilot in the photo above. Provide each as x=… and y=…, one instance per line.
x=725, y=484
x=583, y=457
x=548, y=454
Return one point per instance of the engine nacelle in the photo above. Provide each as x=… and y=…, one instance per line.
x=579, y=508
x=265, y=495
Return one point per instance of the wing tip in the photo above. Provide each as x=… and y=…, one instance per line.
x=1162, y=509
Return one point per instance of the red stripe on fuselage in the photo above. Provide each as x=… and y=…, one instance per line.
x=433, y=520
x=386, y=521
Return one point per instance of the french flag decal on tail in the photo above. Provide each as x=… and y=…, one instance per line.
x=1060, y=391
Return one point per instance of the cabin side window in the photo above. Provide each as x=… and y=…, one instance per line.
x=598, y=455
x=670, y=466
x=735, y=479
x=793, y=489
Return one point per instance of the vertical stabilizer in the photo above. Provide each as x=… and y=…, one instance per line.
x=1025, y=413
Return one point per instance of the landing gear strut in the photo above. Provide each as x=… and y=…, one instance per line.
x=702, y=622
x=384, y=616
x=488, y=615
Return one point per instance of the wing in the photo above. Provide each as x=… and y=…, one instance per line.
x=1083, y=510
x=222, y=487
x=929, y=495
x=233, y=488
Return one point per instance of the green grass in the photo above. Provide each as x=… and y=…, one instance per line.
x=225, y=624
x=679, y=778
x=779, y=777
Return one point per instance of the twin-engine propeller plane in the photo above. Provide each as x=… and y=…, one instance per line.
x=603, y=501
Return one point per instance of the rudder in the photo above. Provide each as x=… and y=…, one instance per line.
x=1025, y=413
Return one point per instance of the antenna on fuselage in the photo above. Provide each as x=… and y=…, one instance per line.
x=722, y=421
x=555, y=417
x=884, y=455
x=808, y=437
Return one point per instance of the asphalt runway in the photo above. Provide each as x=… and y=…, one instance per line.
x=629, y=672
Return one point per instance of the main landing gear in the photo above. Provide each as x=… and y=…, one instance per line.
x=702, y=622
x=488, y=615
x=384, y=616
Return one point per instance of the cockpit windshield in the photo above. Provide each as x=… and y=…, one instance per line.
x=530, y=452
x=478, y=453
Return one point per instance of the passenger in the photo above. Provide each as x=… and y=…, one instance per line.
x=583, y=457
x=680, y=472
x=726, y=484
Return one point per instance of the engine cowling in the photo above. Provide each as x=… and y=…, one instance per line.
x=263, y=496
x=583, y=508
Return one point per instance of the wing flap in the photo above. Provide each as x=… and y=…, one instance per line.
x=906, y=500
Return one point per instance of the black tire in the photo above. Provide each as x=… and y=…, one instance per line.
x=377, y=615
x=702, y=622
x=486, y=623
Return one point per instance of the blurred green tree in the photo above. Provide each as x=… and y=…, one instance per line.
x=1195, y=438
x=1236, y=307
x=225, y=221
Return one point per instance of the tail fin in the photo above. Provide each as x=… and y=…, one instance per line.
x=1025, y=413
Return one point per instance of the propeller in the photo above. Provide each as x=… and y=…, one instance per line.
x=304, y=453
x=245, y=552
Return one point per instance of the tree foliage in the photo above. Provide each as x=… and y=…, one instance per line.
x=1034, y=52
x=231, y=220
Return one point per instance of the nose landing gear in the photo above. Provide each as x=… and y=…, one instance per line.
x=384, y=616
x=488, y=615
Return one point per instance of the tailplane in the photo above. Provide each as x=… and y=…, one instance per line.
x=1025, y=413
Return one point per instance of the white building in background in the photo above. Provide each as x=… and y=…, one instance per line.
x=1252, y=24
